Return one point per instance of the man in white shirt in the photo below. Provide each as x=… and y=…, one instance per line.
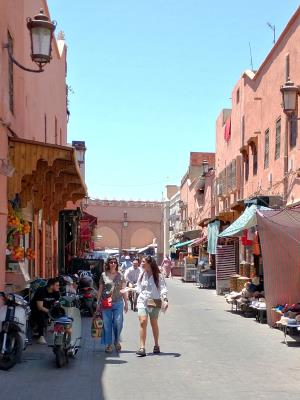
x=131, y=276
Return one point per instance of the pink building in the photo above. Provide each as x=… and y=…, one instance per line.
x=128, y=224
x=33, y=138
x=254, y=138
x=196, y=193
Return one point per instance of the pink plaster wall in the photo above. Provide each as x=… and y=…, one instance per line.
x=260, y=107
x=194, y=206
x=145, y=222
x=35, y=95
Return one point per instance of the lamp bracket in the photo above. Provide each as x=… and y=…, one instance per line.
x=8, y=47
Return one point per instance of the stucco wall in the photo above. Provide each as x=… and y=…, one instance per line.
x=144, y=223
x=258, y=109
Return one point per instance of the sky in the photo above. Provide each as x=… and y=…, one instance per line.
x=150, y=78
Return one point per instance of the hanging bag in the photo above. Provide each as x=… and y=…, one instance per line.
x=97, y=326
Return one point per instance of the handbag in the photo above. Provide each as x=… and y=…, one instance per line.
x=154, y=303
x=106, y=303
x=97, y=326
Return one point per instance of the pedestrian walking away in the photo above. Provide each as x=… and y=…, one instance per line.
x=152, y=298
x=126, y=264
x=112, y=302
x=131, y=277
x=166, y=267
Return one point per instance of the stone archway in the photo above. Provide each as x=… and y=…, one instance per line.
x=110, y=238
x=142, y=237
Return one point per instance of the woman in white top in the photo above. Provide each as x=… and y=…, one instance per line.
x=152, y=291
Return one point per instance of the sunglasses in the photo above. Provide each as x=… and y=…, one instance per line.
x=113, y=262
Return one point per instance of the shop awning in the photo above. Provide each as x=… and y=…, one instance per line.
x=246, y=221
x=182, y=244
x=47, y=175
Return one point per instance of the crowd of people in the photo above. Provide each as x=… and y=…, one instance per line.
x=140, y=282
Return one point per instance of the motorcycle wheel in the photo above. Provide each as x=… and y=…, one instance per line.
x=13, y=355
x=60, y=357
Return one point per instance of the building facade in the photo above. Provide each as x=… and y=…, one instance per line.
x=257, y=145
x=39, y=171
x=128, y=224
x=193, y=195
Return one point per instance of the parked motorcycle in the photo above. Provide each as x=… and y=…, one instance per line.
x=66, y=330
x=87, y=295
x=14, y=317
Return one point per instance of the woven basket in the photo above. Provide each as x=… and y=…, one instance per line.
x=241, y=283
x=233, y=283
x=247, y=270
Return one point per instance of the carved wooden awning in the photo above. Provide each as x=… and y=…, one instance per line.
x=48, y=175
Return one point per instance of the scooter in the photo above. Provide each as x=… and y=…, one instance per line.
x=66, y=330
x=87, y=296
x=14, y=316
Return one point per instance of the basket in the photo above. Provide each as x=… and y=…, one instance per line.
x=247, y=270
x=241, y=283
x=233, y=283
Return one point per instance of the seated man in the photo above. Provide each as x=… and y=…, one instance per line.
x=43, y=299
x=131, y=276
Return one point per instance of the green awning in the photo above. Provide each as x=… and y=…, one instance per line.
x=246, y=221
x=184, y=243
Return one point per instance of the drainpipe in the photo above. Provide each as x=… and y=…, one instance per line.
x=286, y=139
x=286, y=159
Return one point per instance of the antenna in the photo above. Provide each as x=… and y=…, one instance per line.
x=273, y=28
x=251, y=59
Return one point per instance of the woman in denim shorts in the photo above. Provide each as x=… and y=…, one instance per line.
x=153, y=292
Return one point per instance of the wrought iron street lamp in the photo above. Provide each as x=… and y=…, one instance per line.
x=290, y=93
x=41, y=33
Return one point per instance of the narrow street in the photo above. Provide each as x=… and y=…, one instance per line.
x=207, y=353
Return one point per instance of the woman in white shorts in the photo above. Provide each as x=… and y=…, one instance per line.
x=152, y=298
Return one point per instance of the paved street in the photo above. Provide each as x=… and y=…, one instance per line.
x=209, y=353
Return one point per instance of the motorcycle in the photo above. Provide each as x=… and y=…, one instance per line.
x=66, y=319
x=14, y=316
x=87, y=296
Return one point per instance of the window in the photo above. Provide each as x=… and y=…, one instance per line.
x=267, y=146
x=238, y=96
x=254, y=153
x=246, y=160
x=10, y=75
x=45, y=127
x=277, y=138
x=55, y=130
x=293, y=130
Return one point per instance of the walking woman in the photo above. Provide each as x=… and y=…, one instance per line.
x=152, y=298
x=112, y=303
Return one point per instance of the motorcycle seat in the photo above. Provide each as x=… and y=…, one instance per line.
x=64, y=320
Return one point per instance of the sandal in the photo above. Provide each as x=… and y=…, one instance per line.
x=141, y=352
x=109, y=349
x=156, y=350
x=118, y=347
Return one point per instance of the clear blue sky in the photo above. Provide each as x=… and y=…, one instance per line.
x=150, y=78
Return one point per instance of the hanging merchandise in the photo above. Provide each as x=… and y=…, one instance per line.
x=255, y=245
x=245, y=240
x=212, y=236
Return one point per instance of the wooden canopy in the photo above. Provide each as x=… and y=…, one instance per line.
x=48, y=175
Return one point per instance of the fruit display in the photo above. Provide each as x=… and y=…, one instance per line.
x=18, y=253
x=30, y=254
